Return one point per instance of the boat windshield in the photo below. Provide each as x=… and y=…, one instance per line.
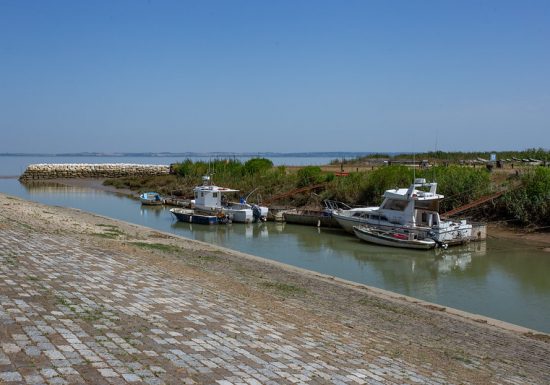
x=395, y=204
x=430, y=205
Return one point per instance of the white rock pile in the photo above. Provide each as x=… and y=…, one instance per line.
x=84, y=170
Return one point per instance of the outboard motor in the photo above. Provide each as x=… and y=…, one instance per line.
x=256, y=213
x=432, y=235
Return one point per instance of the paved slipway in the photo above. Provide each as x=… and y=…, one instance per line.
x=87, y=299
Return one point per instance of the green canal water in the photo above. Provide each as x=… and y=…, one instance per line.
x=502, y=279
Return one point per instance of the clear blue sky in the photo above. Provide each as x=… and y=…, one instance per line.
x=274, y=75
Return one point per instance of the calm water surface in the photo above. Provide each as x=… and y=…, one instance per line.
x=501, y=279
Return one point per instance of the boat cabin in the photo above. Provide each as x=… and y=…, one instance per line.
x=415, y=206
x=211, y=196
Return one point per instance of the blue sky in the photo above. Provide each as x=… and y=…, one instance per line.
x=279, y=76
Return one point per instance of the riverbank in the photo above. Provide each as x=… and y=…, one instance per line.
x=90, y=299
x=496, y=230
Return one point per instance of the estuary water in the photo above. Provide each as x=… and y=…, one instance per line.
x=502, y=279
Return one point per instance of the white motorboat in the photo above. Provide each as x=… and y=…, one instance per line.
x=393, y=238
x=213, y=199
x=151, y=199
x=415, y=209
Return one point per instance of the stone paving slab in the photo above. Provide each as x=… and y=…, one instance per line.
x=75, y=313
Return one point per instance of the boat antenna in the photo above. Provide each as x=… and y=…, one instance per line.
x=249, y=194
x=436, y=140
x=414, y=167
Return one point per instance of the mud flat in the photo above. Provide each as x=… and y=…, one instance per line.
x=87, y=299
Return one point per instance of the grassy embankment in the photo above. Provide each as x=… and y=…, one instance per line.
x=526, y=203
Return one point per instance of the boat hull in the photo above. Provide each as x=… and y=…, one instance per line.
x=148, y=202
x=189, y=216
x=347, y=222
x=389, y=239
x=151, y=199
x=450, y=233
x=239, y=215
x=310, y=218
x=237, y=212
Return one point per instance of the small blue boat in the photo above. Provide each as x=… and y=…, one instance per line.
x=151, y=198
x=190, y=216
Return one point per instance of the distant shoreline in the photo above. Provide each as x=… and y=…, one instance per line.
x=335, y=154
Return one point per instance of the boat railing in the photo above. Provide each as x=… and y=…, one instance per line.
x=335, y=205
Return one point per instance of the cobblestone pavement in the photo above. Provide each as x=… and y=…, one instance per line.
x=72, y=312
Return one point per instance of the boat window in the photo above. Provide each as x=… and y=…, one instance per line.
x=430, y=205
x=395, y=204
x=377, y=217
x=215, y=195
x=424, y=218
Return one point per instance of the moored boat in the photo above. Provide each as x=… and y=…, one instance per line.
x=319, y=218
x=211, y=199
x=151, y=198
x=393, y=238
x=190, y=216
x=412, y=209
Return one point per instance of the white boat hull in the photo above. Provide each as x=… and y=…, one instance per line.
x=388, y=239
x=347, y=222
x=151, y=199
x=447, y=232
x=239, y=216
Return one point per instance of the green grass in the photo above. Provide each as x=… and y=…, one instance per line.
x=207, y=258
x=110, y=231
x=284, y=288
x=62, y=301
x=157, y=247
x=92, y=314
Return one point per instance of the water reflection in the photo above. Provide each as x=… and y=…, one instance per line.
x=48, y=187
x=152, y=211
x=459, y=258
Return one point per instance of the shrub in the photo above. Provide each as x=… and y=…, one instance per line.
x=184, y=168
x=530, y=203
x=309, y=175
x=384, y=179
x=459, y=184
x=257, y=166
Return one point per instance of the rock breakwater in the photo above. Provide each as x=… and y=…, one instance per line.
x=84, y=170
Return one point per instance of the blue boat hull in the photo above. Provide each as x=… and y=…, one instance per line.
x=190, y=216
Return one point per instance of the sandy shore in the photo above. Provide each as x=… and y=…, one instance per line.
x=321, y=324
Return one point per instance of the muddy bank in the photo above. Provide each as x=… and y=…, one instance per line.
x=430, y=341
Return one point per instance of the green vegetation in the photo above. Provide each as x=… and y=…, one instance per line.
x=157, y=246
x=207, y=258
x=459, y=185
x=310, y=175
x=284, y=288
x=529, y=203
x=91, y=315
x=109, y=231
